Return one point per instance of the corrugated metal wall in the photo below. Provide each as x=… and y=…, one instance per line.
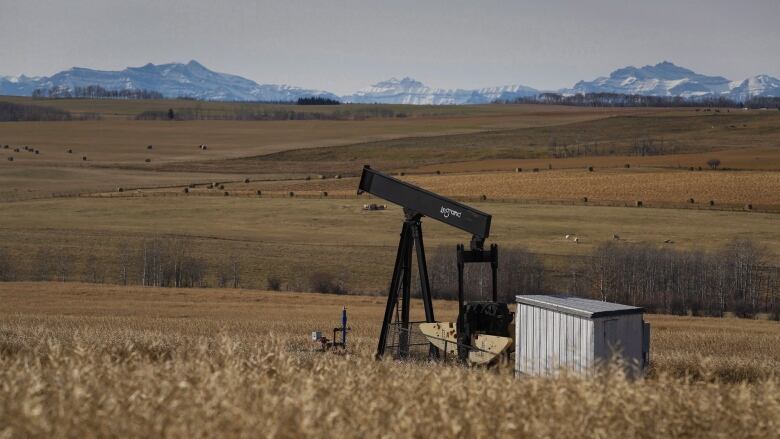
x=620, y=335
x=548, y=340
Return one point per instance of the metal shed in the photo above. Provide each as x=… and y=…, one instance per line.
x=554, y=332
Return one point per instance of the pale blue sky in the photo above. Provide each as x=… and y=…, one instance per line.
x=344, y=45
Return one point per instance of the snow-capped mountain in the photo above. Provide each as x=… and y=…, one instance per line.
x=172, y=80
x=668, y=79
x=755, y=86
x=410, y=91
x=196, y=81
x=662, y=79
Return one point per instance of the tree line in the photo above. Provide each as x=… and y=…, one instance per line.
x=249, y=113
x=630, y=100
x=94, y=92
x=317, y=100
x=13, y=112
x=738, y=278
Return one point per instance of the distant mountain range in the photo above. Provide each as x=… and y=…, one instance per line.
x=193, y=80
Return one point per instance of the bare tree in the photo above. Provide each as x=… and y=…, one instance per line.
x=713, y=163
x=6, y=269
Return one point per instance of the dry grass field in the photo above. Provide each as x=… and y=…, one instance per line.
x=284, y=236
x=82, y=360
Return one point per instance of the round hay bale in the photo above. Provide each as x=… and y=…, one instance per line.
x=37, y=152
x=16, y=149
x=10, y=159
x=402, y=174
x=148, y=160
x=210, y=186
x=246, y=180
x=324, y=193
x=120, y=189
x=590, y=168
x=699, y=168
x=337, y=177
x=259, y=192
x=748, y=207
x=5, y=146
x=712, y=202
x=549, y=166
x=227, y=193
x=70, y=151
x=438, y=172
x=483, y=197
x=691, y=201
x=627, y=165
x=84, y=158
x=321, y=177
x=149, y=146
x=639, y=203
x=26, y=148
x=691, y=168
x=518, y=170
x=584, y=199
x=536, y=169
x=221, y=187
x=292, y=194
x=308, y=178
x=186, y=190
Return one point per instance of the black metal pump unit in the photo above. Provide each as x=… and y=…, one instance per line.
x=486, y=317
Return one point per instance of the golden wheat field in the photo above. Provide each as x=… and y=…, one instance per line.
x=79, y=360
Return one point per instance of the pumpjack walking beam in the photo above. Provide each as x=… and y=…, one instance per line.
x=417, y=203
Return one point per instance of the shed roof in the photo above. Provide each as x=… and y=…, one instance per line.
x=578, y=306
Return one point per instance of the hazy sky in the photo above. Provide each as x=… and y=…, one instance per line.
x=341, y=46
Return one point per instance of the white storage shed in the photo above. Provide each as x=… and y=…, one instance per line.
x=554, y=332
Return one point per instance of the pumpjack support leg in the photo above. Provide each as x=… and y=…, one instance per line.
x=411, y=238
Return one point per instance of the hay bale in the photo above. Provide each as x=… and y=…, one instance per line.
x=712, y=202
x=590, y=168
x=210, y=186
x=324, y=193
x=148, y=160
x=748, y=207
x=627, y=165
x=639, y=203
x=438, y=172
x=37, y=152
x=691, y=168
x=5, y=146
x=10, y=159
x=337, y=177
x=149, y=146
x=483, y=197
x=16, y=149
x=120, y=189
x=402, y=174
x=321, y=177
x=259, y=192
x=70, y=151
x=536, y=169
x=518, y=170
x=308, y=178
x=292, y=194
x=221, y=187
x=227, y=193
x=246, y=180
x=186, y=190
x=549, y=166
x=84, y=158
x=584, y=199
x=191, y=185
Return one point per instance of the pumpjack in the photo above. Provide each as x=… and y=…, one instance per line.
x=481, y=333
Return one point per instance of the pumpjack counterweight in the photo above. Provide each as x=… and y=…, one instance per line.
x=462, y=336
